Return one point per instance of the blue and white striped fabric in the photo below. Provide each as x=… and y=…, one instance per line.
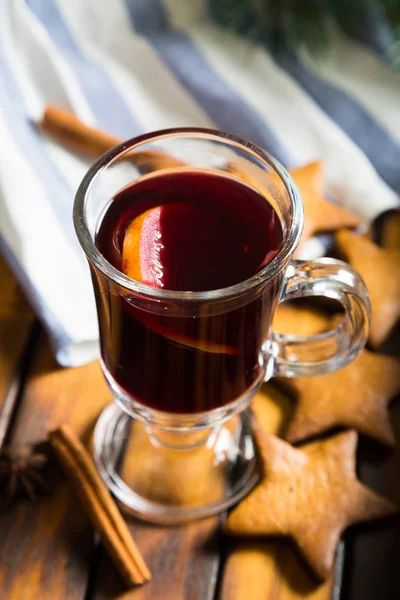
x=130, y=66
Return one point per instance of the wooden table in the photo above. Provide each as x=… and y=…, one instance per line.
x=48, y=550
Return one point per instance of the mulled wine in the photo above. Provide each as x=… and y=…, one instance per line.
x=186, y=230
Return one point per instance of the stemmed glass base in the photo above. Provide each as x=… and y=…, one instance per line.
x=170, y=477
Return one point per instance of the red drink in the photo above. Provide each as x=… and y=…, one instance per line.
x=187, y=231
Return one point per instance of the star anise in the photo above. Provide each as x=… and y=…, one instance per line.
x=21, y=474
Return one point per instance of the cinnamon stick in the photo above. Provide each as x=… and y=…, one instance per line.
x=99, y=506
x=66, y=128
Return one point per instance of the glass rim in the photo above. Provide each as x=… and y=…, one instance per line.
x=96, y=258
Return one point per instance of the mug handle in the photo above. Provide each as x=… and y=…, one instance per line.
x=305, y=356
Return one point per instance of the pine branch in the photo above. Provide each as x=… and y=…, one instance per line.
x=288, y=24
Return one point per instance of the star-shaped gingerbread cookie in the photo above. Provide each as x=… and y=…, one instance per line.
x=311, y=495
x=380, y=269
x=291, y=319
x=319, y=214
x=357, y=397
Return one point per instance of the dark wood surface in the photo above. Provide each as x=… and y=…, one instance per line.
x=48, y=550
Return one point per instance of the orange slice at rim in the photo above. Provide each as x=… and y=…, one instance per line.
x=141, y=261
x=141, y=248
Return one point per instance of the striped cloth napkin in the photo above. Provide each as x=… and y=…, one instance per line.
x=130, y=66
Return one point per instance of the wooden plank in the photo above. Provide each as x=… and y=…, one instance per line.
x=16, y=320
x=373, y=551
x=46, y=547
x=184, y=561
x=261, y=570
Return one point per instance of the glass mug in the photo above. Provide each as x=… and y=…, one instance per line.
x=184, y=365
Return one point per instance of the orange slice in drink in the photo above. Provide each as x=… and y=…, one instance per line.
x=142, y=248
x=142, y=260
